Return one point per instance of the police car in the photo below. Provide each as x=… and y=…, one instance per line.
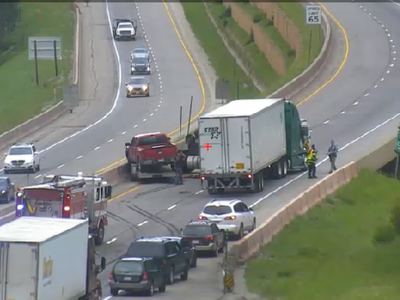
x=22, y=157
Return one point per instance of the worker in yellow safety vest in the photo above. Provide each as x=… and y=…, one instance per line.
x=307, y=146
x=311, y=162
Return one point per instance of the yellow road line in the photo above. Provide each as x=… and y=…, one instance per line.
x=346, y=42
x=203, y=92
x=124, y=193
x=198, y=77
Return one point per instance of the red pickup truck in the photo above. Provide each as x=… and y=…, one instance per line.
x=151, y=149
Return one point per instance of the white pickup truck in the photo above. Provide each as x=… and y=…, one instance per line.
x=124, y=29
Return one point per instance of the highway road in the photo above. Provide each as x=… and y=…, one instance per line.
x=357, y=109
x=173, y=83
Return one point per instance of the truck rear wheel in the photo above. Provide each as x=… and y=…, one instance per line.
x=277, y=170
x=284, y=167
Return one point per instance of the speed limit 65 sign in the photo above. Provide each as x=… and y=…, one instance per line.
x=313, y=14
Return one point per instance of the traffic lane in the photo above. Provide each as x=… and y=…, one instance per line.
x=367, y=60
x=179, y=79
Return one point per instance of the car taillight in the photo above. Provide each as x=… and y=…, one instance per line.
x=145, y=276
x=111, y=276
x=202, y=218
x=209, y=238
x=230, y=218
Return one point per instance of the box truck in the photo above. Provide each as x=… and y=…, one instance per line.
x=246, y=141
x=48, y=259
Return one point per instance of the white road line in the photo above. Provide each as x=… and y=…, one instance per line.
x=393, y=46
x=375, y=86
x=325, y=159
x=144, y=120
x=156, y=109
x=326, y=122
x=108, y=298
x=160, y=101
x=171, y=207
x=36, y=177
x=366, y=95
x=387, y=72
x=60, y=166
x=391, y=41
x=123, y=133
x=394, y=52
x=135, y=126
x=159, y=105
x=141, y=224
x=342, y=112
x=115, y=99
x=111, y=241
x=383, y=78
x=151, y=114
x=97, y=148
x=110, y=140
x=355, y=103
x=199, y=192
x=392, y=65
x=79, y=157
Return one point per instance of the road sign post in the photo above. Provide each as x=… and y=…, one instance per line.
x=397, y=150
x=313, y=17
x=44, y=48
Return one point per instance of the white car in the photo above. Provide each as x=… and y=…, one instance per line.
x=22, y=157
x=232, y=216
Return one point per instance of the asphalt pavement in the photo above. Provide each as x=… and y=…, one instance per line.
x=173, y=83
x=358, y=109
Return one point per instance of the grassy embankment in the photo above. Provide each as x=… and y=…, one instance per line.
x=247, y=50
x=20, y=98
x=346, y=248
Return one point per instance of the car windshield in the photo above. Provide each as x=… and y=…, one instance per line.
x=152, y=140
x=128, y=268
x=140, y=60
x=3, y=182
x=141, y=51
x=20, y=151
x=197, y=230
x=137, y=81
x=145, y=249
x=217, y=210
x=125, y=26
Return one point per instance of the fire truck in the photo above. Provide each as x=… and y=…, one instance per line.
x=68, y=196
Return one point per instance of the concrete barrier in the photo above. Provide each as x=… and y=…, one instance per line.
x=54, y=112
x=249, y=246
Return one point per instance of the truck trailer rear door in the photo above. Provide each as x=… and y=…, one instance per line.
x=212, y=146
x=238, y=143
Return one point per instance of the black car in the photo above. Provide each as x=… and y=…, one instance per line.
x=187, y=248
x=205, y=236
x=140, y=65
x=7, y=190
x=167, y=254
x=136, y=274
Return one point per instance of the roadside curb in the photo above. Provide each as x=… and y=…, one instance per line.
x=54, y=112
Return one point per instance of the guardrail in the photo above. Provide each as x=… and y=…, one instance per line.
x=249, y=246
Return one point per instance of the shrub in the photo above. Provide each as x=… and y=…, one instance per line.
x=384, y=235
x=257, y=18
x=395, y=218
x=251, y=38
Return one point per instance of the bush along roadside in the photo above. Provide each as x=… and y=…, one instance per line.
x=270, y=39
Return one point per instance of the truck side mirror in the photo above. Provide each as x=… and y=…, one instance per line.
x=127, y=144
x=103, y=263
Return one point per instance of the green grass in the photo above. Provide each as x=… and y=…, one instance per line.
x=220, y=58
x=329, y=252
x=20, y=98
x=255, y=59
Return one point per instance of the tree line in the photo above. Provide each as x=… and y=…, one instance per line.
x=9, y=16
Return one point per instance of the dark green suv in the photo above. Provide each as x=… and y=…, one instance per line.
x=166, y=253
x=136, y=274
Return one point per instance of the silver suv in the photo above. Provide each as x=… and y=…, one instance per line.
x=232, y=216
x=22, y=157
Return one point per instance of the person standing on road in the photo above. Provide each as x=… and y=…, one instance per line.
x=332, y=154
x=178, y=169
x=311, y=162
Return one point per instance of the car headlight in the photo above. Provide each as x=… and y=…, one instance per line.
x=130, y=88
x=133, y=68
x=148, y=68
x=3, y=192
x=144, y=88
